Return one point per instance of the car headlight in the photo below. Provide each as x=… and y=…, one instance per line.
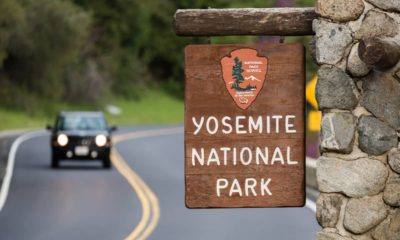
x=101, y=140
x=62, y=140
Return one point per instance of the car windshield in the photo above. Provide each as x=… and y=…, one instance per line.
x=79, y=122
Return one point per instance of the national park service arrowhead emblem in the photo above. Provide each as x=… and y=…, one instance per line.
x=244, y=74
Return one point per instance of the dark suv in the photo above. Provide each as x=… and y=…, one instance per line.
x=81, y=136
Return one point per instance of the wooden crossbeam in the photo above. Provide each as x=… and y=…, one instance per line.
x=244, y=21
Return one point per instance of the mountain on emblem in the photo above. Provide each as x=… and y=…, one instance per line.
x=252, y=78
x=244, y=74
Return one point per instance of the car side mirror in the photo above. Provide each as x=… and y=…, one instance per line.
x=49, y=127
x=113, y=128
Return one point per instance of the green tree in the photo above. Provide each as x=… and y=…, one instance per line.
x=44, y=45
x=12, y=14
x=40, y=40
x=237, y=74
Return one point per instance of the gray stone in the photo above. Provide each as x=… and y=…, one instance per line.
x=375, y=136
x=391, y=195
x=389, y=5
x=324, y=235
x=328, y=209
x=362, y=214
x=394, y=160
x=355, y=154
x=357, y=178
x=396, y=75
x=335, y=89
x=382, y=97
x=332, y=39
x=376, y=24
x=389, y=229
x=337, y=132
x=363, y=237
x=355, y=66
x=340, y=10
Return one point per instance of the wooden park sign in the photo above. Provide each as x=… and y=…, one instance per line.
x=244, y=125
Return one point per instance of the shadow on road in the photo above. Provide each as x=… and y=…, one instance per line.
x=76, y=165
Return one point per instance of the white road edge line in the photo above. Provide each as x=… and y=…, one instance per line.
x=5, y=186
x=310, y=204
x=311, y=162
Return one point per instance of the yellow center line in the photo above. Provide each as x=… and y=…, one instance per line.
x=124, y=170
x=147, y=198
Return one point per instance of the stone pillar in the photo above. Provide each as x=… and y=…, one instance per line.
x=358, y=172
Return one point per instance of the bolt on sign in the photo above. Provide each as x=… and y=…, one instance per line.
x=244, y=125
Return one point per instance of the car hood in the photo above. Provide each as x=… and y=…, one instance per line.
x=83, y=133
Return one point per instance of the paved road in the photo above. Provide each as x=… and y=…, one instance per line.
x=83, y=201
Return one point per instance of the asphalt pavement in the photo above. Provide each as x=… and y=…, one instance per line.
x=83, y=201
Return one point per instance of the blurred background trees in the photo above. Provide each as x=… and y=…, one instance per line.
x=88, y=51
x=43, y=39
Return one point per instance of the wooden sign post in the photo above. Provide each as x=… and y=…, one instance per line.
x=244, y=125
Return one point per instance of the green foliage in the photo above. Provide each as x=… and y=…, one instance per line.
x=44, y=39
x=86, y=51
x=136, y=42
x=11, y=15
x=305, y=3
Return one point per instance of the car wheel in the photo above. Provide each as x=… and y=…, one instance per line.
x=106, y=163
x=55, y=162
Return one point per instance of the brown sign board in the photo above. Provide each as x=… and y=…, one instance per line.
x=244, y=126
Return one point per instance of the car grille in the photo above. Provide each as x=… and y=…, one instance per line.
x=86, y=141
x=81, y=141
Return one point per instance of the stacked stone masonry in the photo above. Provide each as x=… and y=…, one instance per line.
x=358, y=172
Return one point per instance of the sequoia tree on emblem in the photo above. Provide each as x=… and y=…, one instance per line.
x=244, y=74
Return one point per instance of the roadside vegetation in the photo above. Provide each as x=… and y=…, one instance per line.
x=87, y=54
x=154, y=107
